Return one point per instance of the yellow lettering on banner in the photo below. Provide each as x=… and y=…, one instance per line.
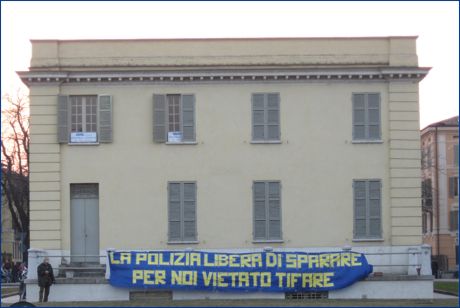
x=161, y=260
x=257, y=260
x=313, y=260
x=327, y=279
x=137, y=275
x=195, y=259
x=233, y=261
x=125, y=258
x=179, y=256
x=207, y=262
x=294, y=278
x=291, y=261
x=220, y=279
x=176, y=278
x=306, y=280
x=233, y=276
x=141, y=257
x=223, y=260
x=302, y=259
x=317, y=280
x=345, y=258
x=188, y=278
x=245, y=260
x=254, y=276
x=112, y=260
x=324, y=260
x=243, y=279
x=207, y=277
x=152, y=259
x=354, y=259
x=280, y=279
x=147, y=279
x=270, y=259
x=266, y=279
x=334, y=260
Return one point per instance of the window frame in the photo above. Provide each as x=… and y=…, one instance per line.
x=182, y=239
x=266, y=109
x=83, y=115
x=267, y=238
x=366, y=122
x=181, y=118
x=367, y=236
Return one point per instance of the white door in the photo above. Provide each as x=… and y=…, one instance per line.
x=84, y=223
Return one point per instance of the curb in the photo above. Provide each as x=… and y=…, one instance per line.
x=445, y=292
x=9, y=294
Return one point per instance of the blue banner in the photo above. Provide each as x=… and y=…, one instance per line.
x=254, y=271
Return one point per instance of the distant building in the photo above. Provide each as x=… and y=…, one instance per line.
x=306, y=144
x=11, y=238
x=440, y=192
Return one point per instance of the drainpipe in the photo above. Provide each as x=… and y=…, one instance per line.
x=437, y=192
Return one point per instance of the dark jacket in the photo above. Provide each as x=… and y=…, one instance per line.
x=45, y=279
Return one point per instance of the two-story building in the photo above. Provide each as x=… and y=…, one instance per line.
x=305, y=144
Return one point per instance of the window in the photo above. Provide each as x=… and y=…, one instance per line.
x=424, y=223
x=453, y=225
x=265, y=117
x=453, y=187
x=174, y=118
x=427, y=193
x=182, y=211
x=267, y=210
x=367, y=209
x=366, y=116
x=84, y=119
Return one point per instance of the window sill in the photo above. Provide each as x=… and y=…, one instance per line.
x=267, y=241
x=366, y=141
x=182, y=242
x=182, y=143
x=367, y=240
x=266, y=142
x=83, y=143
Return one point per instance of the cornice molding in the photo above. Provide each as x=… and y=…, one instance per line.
x=222, y=75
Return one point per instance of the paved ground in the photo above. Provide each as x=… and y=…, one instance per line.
x=439, y=301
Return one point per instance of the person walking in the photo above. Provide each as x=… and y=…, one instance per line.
x=45, y=279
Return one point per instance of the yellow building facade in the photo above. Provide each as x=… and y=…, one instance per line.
x=225, y=144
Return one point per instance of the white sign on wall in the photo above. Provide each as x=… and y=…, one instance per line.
x=174, y=136
x=81, y=137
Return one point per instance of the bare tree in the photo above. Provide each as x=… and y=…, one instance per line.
x=15, y=160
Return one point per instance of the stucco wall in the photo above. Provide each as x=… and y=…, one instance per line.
x=316, y=161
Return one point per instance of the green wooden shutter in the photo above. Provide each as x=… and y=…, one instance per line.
x=452, y=186
x=374, y=206
x=260, y=215
x=159, y=118
x=373, y=116
x=174, y=212
x=63, y=119
x=105, y=119
x=359, y=117
x=258, y=117
x=189, y=211
x=274, y=210
x=188, y=117
x=360, y=208
x=273, y=117
x=453, y=225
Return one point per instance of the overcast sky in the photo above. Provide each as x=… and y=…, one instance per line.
x=435, y=23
